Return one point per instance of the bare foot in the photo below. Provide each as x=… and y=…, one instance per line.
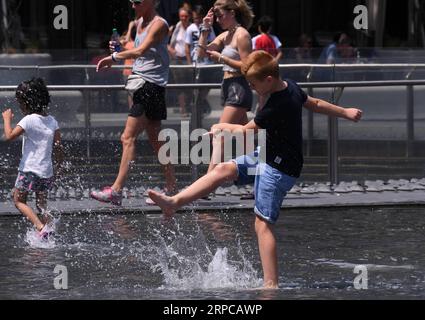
x=270, y=285
x=166, y=203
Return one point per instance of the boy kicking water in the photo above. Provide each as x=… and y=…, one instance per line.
x=41, y=136
x=281, y=117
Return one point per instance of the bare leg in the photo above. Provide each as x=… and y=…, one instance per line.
x=41, y=204
x=230, y=115
x=20, y=199
x=41, y=201
x=222, y=173
x=152, y=129
x=130, y=101
x=133, y=128
x=268, y=254
x=217, y=155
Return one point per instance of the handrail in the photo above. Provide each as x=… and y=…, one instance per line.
x=213, y=66
x=346, y=84
x=332, y=137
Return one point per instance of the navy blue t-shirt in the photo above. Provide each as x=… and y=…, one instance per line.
x=281, y=116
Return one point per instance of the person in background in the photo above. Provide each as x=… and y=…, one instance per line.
x=177, y=50
x=186, y=5
x=192, y=41
x=229, y=49
x=341, y=48
x=339, y=51
x=265, y=40
x=304, y=51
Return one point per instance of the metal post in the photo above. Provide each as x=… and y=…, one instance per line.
x=333, y=150
x=310, y=118
x=410, y=121
x=87, y=121
x=87, y=116
x=310, y=126
x=196, y=118
x=333, y=164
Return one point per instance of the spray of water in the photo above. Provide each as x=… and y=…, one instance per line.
x=33, y=239
x=176, y=256
x=186, y=262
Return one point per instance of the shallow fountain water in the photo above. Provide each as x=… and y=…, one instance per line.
x=215, y=256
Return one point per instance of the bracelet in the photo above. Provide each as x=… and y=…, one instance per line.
x=221, y=59
x=202, y=28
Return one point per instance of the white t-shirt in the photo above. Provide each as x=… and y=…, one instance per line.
x=179, y=47
x=276, y=40
x=37, y=144
x=192, y=39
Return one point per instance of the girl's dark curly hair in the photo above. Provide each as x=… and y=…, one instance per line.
x=33, y=95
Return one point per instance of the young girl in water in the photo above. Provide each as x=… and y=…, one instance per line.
x=41, y=137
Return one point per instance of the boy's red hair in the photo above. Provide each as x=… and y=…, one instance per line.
x=259, y=65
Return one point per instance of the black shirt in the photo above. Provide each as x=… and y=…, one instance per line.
x=281, y=116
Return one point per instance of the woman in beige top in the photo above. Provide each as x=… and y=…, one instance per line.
x=230, y=48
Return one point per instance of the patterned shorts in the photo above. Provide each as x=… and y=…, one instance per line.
x=28, y=181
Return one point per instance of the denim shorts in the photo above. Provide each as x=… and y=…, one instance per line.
x=247, y=168
x=270, y=185
x=28, y=181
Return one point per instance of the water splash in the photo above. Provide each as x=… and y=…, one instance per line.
x=34, y=240
x=187, y=263
x=220, y=274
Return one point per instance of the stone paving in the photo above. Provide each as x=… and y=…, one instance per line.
x=318, y=195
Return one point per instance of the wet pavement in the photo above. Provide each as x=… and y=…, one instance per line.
x=318, y=195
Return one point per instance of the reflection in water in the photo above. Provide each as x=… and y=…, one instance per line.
x=216, y=226
x=215, y=256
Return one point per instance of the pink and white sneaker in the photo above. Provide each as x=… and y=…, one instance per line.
x=46, y=232
x=107, y=195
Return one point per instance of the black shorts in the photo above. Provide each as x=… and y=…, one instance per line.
x=149, y=101
x=236, y=92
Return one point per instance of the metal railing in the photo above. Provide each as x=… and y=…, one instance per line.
x=196, y=118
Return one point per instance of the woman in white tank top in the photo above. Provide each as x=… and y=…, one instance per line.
x=149, y=109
